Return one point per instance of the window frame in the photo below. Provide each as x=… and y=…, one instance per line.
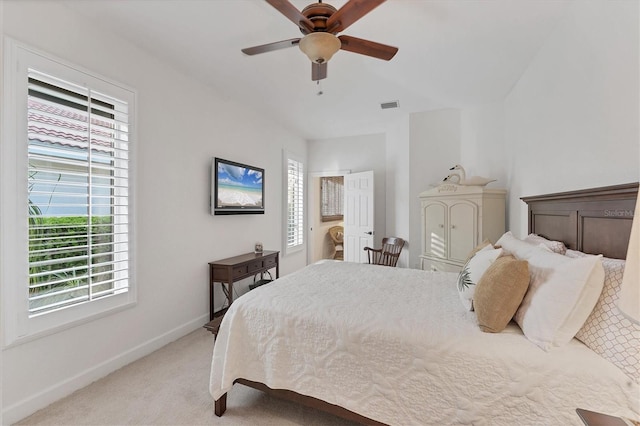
x=19, y=326
x=300, y=236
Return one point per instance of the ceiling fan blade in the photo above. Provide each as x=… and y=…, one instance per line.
x=367, y=47
x=270, y=46
x=294, y=15
x=318, y=71
x=350, y=13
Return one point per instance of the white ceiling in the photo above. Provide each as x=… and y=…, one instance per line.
x=452, y=54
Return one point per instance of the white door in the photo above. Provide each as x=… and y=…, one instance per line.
x=358, y=215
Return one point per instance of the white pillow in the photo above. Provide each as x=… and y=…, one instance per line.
x=473, y=271
x=561, y=295
x=517, y=247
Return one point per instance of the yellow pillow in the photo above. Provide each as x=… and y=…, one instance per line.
x=499, y=293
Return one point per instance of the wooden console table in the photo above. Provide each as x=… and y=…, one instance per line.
x=227, y=271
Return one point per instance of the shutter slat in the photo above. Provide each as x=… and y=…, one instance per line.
x=56, y=305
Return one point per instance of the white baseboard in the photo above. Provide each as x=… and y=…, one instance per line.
x=35, y=402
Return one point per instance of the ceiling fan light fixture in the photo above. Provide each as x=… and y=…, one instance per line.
x=320, y=46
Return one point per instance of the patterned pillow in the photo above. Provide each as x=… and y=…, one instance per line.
x=473, y=271
x=607, y=332
x=554, y=246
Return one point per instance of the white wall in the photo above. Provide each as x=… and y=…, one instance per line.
x=482, y=143
x=571, y=121
x=434, y=148
x=1, y=127
x=354, y=154
x=398, y=175
x=181, y=125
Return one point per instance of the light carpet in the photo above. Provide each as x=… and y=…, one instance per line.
x=171, y=387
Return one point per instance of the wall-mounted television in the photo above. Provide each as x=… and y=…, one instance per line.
x=236, y=188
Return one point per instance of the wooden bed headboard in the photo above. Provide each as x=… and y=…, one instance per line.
x=596, y=221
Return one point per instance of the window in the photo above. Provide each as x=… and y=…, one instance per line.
x=332, y=193
x=73, y=157
x=295, y=203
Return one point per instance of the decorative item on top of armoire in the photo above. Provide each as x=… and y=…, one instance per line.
x=455, y=219
x=459, y=177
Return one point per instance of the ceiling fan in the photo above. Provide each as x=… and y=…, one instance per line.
x=319, y=24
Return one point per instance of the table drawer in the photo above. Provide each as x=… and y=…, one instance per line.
x=254, y=266
x=239, y=271
x=270, y=262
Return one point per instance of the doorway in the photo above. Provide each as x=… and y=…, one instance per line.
x=320, y=245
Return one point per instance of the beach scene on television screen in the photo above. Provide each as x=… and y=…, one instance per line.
x=239, y=186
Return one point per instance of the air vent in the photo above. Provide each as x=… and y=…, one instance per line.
x=389, y=105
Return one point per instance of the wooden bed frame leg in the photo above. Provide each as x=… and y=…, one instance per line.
x=220, y=405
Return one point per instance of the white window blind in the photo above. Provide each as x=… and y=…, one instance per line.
x=78, y=182
x=332, y=194
x=295, y=203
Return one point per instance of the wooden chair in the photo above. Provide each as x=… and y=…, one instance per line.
x=387, y=255
x=336, y=233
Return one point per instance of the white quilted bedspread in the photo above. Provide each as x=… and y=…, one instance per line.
x=397, y=346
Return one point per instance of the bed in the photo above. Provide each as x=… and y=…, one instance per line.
x=382, y=345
